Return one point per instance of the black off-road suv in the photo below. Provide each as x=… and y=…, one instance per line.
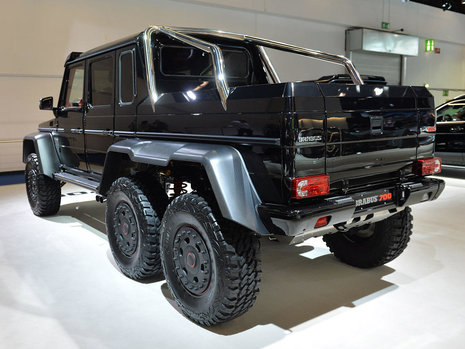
x=198, y=149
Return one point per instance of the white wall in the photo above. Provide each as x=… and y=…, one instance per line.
x=36, y=37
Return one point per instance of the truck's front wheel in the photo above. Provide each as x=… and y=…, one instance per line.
x=212, y=270
x=43, y=193
x=373, y=245
x=133, y=230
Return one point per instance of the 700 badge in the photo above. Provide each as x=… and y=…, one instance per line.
x=369, y=200
x=385, y=197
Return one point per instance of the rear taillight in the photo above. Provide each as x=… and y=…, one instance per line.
x=307, y=187
x=424, y=167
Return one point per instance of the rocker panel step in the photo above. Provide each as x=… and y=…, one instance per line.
x=81, y=181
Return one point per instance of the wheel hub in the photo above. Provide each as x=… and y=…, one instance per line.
x=192, y=260
x=32, y=184
x=126, y=229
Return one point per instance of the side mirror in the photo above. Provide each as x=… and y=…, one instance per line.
x=46, y=103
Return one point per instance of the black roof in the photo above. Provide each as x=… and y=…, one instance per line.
x=131, y=39
x=103, y=48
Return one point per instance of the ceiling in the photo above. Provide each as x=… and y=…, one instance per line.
x=457, y=5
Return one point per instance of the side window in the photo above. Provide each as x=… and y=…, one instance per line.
x=75, y=87
x=101, y=82
x=186, y=68
x=192, y=62
x=127, y=82
x=452, y=112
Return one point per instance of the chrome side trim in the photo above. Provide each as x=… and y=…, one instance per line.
x=184, y=35
x=124, y=133
x=234, y=139
x=46, y=129
x=99, y=132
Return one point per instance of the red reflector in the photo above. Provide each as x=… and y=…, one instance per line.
x=322, y=221
x=431, y=129
x=424, y=167
x=307, y=187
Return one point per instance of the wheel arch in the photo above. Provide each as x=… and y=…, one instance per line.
x=228, y=177
x=41, y=143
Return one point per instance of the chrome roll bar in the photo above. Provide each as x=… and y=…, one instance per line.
x=214, y=50
x=185, y=35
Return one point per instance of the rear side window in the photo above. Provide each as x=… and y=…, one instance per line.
x=127, y=83
x=101, y=82
x=192, y=62
x=452, y=112
x=75, y=87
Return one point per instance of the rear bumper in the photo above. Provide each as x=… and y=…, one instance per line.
x=293, y=221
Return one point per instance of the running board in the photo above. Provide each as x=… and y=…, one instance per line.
x=81, y=181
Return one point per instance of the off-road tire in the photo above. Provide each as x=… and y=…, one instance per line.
x=43, y=192
x=389, y=239
x=133, y=229
x=229, y=252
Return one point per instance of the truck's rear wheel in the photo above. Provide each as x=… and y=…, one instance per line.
x=212, y=271
x=133, y=230
x=373, y=245
x=43, y=192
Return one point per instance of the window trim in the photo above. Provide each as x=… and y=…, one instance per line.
x=132, y=52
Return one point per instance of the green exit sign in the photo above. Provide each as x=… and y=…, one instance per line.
x=429, y=45
x=385, y=25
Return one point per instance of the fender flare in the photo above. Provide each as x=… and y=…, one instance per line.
x=42, y=144
x=225, y=168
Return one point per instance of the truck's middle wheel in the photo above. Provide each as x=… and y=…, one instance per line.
x=212, y=271
x=133, y=230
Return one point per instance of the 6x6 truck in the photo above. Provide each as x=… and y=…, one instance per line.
x=198, y=149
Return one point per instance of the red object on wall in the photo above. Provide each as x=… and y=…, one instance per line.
x=437, y=50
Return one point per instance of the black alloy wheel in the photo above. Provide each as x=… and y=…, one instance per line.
x=192, y=260
x=126, y=229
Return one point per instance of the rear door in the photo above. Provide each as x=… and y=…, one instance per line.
x=100, y=109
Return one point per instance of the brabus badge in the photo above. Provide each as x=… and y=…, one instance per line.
x=305, y=139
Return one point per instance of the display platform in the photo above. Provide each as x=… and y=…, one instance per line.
x=60, y=288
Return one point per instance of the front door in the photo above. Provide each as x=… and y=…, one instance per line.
x=70, y=137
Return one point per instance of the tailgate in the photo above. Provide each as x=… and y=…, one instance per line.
x=373, y=130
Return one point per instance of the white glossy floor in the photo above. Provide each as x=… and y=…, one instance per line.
x=59, y=288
